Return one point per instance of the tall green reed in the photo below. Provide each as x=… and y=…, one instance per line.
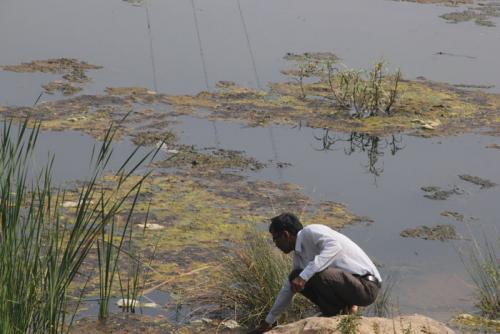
x=40, y=252
x=483, y=264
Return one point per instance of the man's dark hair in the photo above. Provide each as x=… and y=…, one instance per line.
x=285, y=222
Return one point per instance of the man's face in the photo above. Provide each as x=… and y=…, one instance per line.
x=283, y=241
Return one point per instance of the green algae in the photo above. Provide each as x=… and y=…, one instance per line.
x=208, y=160
x=453, y=214
x=422, y=107
x=478, y=181
x=420, y=103
x=151, y=137
x=203, y=218
x=436, y=193
x=480, y=12
x=59, y=86
x=72, y=70
x=469, y=323
x=438, y=232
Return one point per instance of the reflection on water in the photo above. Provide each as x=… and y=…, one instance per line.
x=373, y=146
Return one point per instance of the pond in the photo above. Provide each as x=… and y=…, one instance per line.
x=185, y=47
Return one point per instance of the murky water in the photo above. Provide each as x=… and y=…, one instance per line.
x=188, y=49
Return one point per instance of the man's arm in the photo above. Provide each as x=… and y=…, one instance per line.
x=282, y=301
x=280, y=304
x=329, y=248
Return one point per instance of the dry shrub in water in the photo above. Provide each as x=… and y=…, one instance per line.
x=252, y=279
x=364, y=93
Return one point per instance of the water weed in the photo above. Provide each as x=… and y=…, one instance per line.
x=383, y=305
x=482, y=263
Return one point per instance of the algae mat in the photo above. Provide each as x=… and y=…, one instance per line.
x=194, y=221
x=422, y=107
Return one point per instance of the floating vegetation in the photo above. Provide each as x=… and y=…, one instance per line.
x=481, y=12
x=436, y=193
x=452, y=214
x=73, y=69
x=478, y=181
x=474, y=86
x=468, y=322
x=201, y=217
x=152, y=137
x=493, y=146
x=210, y=160
x=451, y=3
x=60, y=86
x=438, y=232
x=420, y=107
x=73, y=72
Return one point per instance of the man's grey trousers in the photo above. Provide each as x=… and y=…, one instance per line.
x=335, y=291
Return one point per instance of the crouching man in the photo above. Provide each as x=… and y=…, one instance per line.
x=328, y=268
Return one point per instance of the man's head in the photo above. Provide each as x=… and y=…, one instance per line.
x=284, y=229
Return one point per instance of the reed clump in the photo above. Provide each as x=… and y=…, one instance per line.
x=41, y=252
x=383, y=305
x=483, y=264
x=252, y=278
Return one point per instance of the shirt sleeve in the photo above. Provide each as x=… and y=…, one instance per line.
x=282, y=301
x=328, y=249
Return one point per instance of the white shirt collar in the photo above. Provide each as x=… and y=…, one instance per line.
x=298, y=242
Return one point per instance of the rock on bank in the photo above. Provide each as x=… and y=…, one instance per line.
x=364, y=325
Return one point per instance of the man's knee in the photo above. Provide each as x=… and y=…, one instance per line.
x=294, y=274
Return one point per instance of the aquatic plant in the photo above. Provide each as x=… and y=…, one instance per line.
x=130, y=285
x=483, y=265
x=383, y=306
x=108, y=255
x=41, y=250
x=252, y=279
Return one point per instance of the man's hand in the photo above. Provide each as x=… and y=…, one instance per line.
x=263, y=327
x=298, y=284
